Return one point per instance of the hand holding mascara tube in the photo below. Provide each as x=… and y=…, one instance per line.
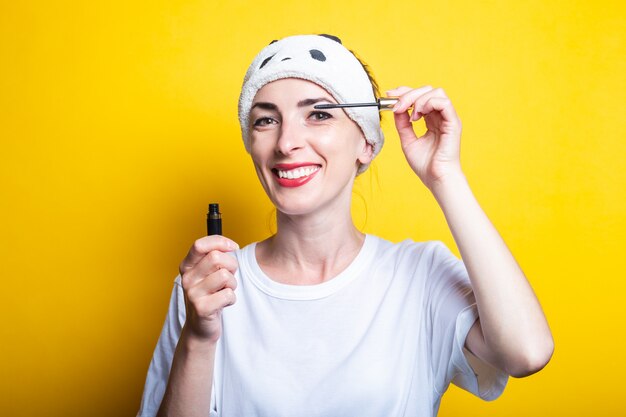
x=208, y=281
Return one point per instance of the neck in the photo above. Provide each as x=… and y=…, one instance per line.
x=312, y=248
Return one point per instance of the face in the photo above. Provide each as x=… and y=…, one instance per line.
x=306, y=159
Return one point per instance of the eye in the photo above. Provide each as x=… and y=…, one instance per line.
x=320, y=115
x=264, y=121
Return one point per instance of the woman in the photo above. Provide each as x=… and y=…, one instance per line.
x=320, y=319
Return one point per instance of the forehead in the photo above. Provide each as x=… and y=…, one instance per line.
x=288, y=90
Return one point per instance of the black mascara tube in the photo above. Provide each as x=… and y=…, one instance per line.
x=214, y=220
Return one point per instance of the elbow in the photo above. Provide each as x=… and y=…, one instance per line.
x=533, y=359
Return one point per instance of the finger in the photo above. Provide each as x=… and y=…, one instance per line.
x=443, y=105
x=210, y=304
x=204, y=245
x=415, y=115
x=407, y=99
x=404, y=128
x=398, y=91
x=212, y=261
x=211, y=284
x=422, y=99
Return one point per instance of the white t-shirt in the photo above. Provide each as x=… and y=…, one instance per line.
x=385, y=337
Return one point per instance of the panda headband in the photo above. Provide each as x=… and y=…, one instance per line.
x=325, y=62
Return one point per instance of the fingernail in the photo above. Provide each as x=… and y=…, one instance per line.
x=233, y=245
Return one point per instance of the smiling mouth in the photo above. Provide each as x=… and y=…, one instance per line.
x=295, y=173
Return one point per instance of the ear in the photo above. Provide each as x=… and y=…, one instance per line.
x=366, y=153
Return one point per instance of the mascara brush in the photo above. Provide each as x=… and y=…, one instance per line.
x=383, y=103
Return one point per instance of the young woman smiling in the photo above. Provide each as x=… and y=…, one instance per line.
x=320, y=319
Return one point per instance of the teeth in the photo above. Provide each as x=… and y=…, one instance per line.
x=298, y=172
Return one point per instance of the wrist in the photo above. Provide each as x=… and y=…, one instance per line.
x=449, y=182
x=192, y=344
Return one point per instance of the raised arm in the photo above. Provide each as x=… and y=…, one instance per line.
x=511, y=333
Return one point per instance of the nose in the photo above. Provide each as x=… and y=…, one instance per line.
x=291, y=137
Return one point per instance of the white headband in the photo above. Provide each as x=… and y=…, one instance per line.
x=325, y=62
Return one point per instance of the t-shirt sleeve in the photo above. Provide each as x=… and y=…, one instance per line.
x=452, y=311
x=159, y=370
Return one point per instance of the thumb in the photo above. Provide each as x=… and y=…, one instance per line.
x=404, y=128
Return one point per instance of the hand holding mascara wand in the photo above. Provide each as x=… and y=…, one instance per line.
x=441, y=141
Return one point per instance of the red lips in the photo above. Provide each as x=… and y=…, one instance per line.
x=294, y=182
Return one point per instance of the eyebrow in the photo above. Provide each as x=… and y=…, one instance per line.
x=264, y=106
x=303, y=103
x=312, y=101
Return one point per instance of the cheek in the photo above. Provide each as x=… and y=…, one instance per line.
x=259, y=149
x=338, y=137
x=349, y=144
x=259, y=161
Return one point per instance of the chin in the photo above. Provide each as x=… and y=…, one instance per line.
x=295, y=205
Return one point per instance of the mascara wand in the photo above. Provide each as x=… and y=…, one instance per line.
x=383, y=103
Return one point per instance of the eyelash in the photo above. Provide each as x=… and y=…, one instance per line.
x=259, y=122
x=323, y=113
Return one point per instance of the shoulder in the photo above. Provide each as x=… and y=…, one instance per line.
x=245, y=254
x=426, y=253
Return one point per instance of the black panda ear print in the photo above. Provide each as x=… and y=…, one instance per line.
x=272, y=42
x=331, y=37
x=315, y=54
x=266, y=60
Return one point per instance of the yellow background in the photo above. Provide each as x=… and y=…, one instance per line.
x=118, y=126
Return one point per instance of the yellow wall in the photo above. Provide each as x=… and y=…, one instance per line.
x=118, y=126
